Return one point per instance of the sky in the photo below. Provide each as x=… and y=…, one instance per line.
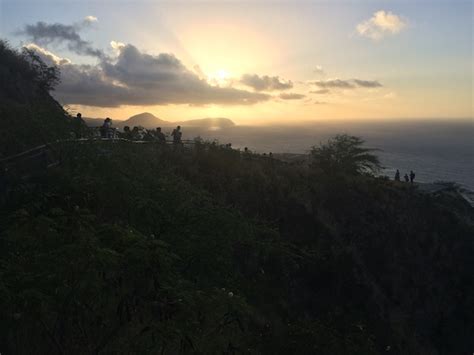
x=255, y=62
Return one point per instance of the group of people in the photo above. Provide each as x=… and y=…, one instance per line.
x=136, y=133
x=408, y=178
x=142, y=134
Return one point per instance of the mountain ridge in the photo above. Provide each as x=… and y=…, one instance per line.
x=149, y=120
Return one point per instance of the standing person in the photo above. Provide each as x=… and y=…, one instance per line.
x=397, y=175
x=177, y=135
x=108, y=127
x=79, y=126
x=406, y=178
x=104, y=129
x=160, y=136
x=412, y=176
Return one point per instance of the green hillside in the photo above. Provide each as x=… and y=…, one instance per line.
x=125, y=248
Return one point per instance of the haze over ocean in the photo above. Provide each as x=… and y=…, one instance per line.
x=435, y=150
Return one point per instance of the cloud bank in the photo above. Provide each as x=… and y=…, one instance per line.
x=291, y=96
x=325, y=85
x=265, y=82
x=382, y=23
x=136, y=78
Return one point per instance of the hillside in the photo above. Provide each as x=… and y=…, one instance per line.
x=146, y=120
x=123, y=244
x=133, y=248
x=217, y=122
x=29, y=116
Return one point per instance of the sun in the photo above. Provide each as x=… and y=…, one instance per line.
x=220, y=78
x=222, y=74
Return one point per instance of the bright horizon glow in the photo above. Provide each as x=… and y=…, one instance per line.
x=304, y=61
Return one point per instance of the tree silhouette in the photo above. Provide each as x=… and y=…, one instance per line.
x=345, y=154
x=47, y=77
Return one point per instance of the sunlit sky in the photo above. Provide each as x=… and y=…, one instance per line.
x=254, y=61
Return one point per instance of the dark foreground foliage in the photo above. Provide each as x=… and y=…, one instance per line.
x=29, y=116
x=140, y=249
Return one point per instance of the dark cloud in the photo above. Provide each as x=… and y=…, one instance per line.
x=367, y=83
x=43, y=34
x=345, y=84
x=87, y=85
x=136, y=78
x=265, y=82
x=320, y=92
x=291, y=96
x=334, y=84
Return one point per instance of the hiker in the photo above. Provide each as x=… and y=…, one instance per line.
x=127, y=133
x=108, y=126
x=406, y=178
x=177, y=135
x=78, y=126
x=412, y=176
x=397, y=175
x=148, y=135
x=136, y=136
x=105, y=128
x=246, y=154
x=160, y=136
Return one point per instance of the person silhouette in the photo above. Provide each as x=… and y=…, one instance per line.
x=160, y=136
x=105, y=130
x=177, y=135
x=406, y=178
x=397, y=175
x=127, y=133
x=79, y=126
x=412, y=176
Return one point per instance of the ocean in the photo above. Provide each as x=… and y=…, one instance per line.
x=434, y=150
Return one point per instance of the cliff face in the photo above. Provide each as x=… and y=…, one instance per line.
x=29, y=116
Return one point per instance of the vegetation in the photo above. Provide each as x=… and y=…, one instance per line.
x=145, y=249
x=29, y=116
x=345, y=154
x=135, y=248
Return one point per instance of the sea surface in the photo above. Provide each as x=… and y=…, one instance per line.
x=434, y=150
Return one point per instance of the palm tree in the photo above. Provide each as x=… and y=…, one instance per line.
x=345, y=154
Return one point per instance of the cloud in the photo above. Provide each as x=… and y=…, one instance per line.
x=43, y=34
x=343, y=84
x=334, y=84
x=265, y=83
x=137, y=78
x=291, y=96
x=319, y=70
x=320, y=91
x=46, y=56
x=91, y=19
x=367, y=83
x=381, y=24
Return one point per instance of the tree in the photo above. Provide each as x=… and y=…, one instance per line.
x=45, y=76
x=345, y=154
